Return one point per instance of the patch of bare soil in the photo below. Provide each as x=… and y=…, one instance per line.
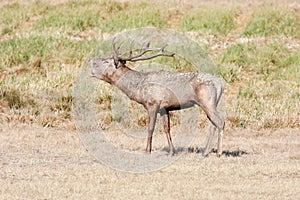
x=45, y=163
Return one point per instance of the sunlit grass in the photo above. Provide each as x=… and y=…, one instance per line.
x=269, y=62
x=25, y=51
x=270, y=21
x=139, y=16
x=72, y=16
x=15, y=16
x=267, y=79
x=217, y=21
x=42, y=47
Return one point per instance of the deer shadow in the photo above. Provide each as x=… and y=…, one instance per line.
x=227, y=153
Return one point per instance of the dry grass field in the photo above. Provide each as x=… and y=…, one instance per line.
x=43, y=163
x=255, y=46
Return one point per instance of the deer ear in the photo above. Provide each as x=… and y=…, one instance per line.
x=90, y=61
x=116, y=63
x=119, y=63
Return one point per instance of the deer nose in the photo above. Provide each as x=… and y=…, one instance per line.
x=92, y=75
x=90, y=63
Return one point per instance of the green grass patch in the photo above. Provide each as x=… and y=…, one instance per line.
x=265, y=104
x=19, y=51
x=266, y=78
x=73, y=15
x=43, y=45
x=273, y=22
x=16, y=16
x=142, y=15
x=25, y=51
x=272, y=61
x=109, y=16
x=242, y=55
x=217, y=22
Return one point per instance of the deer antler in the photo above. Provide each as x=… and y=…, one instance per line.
x=133, y=58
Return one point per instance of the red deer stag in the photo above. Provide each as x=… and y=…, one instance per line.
x=163, y=91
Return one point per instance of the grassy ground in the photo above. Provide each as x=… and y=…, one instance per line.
x=255, y=45
x=43, y=46
x=43, y=163
x=256, y=48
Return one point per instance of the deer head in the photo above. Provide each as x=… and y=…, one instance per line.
x=106, y=68
x=101, y=68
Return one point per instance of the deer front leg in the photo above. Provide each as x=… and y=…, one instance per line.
x=152, y=113
x=166, y=118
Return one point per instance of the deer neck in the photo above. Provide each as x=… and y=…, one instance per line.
x=128, y=81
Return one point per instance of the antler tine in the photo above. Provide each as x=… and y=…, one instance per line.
x=131, y=45
x=117, y=57
x=153, y=56
x=114, y=47
x=117, y=54
x=119, y=47
x=142, y=46
x=115, y=51
x=163, y=48
x=160, y=53
x=148, y=45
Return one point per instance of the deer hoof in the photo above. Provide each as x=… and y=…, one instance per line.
x=205, y=155
x=148, y=151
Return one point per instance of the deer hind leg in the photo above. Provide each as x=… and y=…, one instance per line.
x=218, y=123
x=211, y=135
x=166, y=118
x=208, y=100
x=152, y=114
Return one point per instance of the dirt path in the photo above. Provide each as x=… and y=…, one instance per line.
x=41, y=163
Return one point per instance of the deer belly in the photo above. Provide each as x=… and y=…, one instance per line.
x=176, y=105
x=177, y=101
x=168, y=97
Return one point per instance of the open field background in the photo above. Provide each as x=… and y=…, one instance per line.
x=255, y=46
x=42, y=163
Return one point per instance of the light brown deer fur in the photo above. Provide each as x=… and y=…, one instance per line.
x=164, y=91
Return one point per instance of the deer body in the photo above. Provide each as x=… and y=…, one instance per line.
x=164, y=91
